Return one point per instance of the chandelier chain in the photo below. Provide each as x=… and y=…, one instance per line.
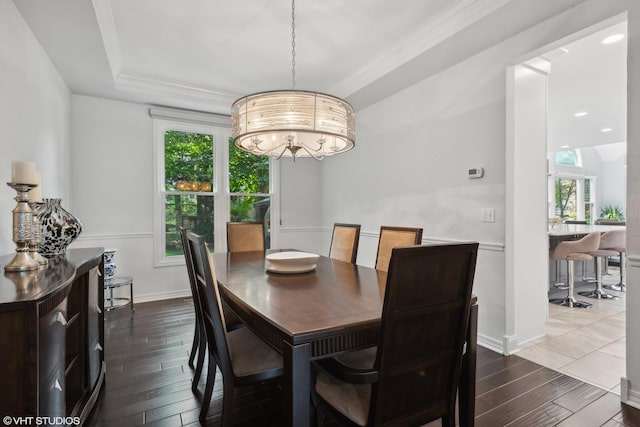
x=293, y=43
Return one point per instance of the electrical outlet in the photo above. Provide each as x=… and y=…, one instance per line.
x=488, y=215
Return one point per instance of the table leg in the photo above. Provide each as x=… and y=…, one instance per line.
x=131, y=296
x=467, y=389
x=297, y=379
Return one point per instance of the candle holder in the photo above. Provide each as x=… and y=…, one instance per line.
x=36, y=235
x=22, y=220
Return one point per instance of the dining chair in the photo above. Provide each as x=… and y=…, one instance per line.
x=412, y=376
x=242, y=357
x=391, y=237
x=199, y=339
x=344, y=242
x=245, y=236
x=199, y=346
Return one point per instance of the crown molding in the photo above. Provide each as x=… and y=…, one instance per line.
x=104, y=16
x=149, y=84
x=462, y=15
x=130, y=81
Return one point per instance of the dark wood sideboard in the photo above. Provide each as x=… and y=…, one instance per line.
x=52, y=336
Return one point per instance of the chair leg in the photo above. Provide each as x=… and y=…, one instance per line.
x=598, y=292
x=208, y=389
x=570, y=300
x=202, y=349
x=450, y=419
x=622, y=285
x=227, y=402
x=194, y=346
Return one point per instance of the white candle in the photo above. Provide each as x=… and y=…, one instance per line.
x=36, y=193
x=23, y=172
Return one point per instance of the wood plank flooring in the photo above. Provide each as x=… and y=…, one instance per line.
x=149, y=382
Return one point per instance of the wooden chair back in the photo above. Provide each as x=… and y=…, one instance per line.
x=424, y=321
x=210, y=303
x=344, y=242
x=391, y=237
x=191, y=273
x=245, y=236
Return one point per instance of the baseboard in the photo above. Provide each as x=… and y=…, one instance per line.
x=490, y=343
x=510, y=344
x=158, y=296
x=628, y=396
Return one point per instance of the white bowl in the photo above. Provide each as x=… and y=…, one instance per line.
x=291, y=262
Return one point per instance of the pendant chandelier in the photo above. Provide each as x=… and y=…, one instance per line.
x=293, y=123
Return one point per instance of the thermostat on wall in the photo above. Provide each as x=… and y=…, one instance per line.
x=476, y=173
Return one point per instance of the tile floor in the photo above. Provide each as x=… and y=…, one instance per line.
x=587, y=344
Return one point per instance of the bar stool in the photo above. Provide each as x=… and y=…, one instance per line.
x=571, y=251
x=617, y=241
x=600, y=256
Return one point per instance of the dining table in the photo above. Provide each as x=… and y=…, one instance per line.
x=334, y=308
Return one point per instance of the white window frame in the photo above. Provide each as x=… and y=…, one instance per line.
x=580, y=192
x=220, y=127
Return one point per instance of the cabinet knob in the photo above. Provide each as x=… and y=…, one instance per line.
x=98, y=347
x=59, y=317
x=57, y=385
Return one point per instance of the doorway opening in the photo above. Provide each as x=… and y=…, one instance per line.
x=566, y=161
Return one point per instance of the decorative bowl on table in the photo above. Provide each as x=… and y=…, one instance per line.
x=291, y=262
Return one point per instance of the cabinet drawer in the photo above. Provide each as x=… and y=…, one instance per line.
x=52, y=339
x=52, y=392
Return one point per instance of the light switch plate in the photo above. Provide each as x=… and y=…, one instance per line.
x=488, y=215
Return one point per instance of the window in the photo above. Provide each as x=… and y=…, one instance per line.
x=203, y=181
x=566, y=191
x=574, y=197
x=568, y=158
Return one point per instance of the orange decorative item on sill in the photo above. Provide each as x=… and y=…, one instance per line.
x=193, y=186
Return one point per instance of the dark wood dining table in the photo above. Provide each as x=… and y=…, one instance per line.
x=306, y=316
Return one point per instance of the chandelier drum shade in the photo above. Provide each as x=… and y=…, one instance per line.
x=293, y=123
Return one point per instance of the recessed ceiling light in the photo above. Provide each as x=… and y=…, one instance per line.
x=612, y=38
x=565, y=146
x=580, y=114
x=564, y=49
x=605, y=130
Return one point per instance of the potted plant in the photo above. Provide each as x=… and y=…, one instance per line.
x=612, y=213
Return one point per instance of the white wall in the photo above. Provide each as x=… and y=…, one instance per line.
x=630, y=392
x=613, y=185
x=35, y=106
x=300, y=205
x=414, y=147
x=113, y=188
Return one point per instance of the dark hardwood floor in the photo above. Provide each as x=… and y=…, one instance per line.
x=149, y=382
